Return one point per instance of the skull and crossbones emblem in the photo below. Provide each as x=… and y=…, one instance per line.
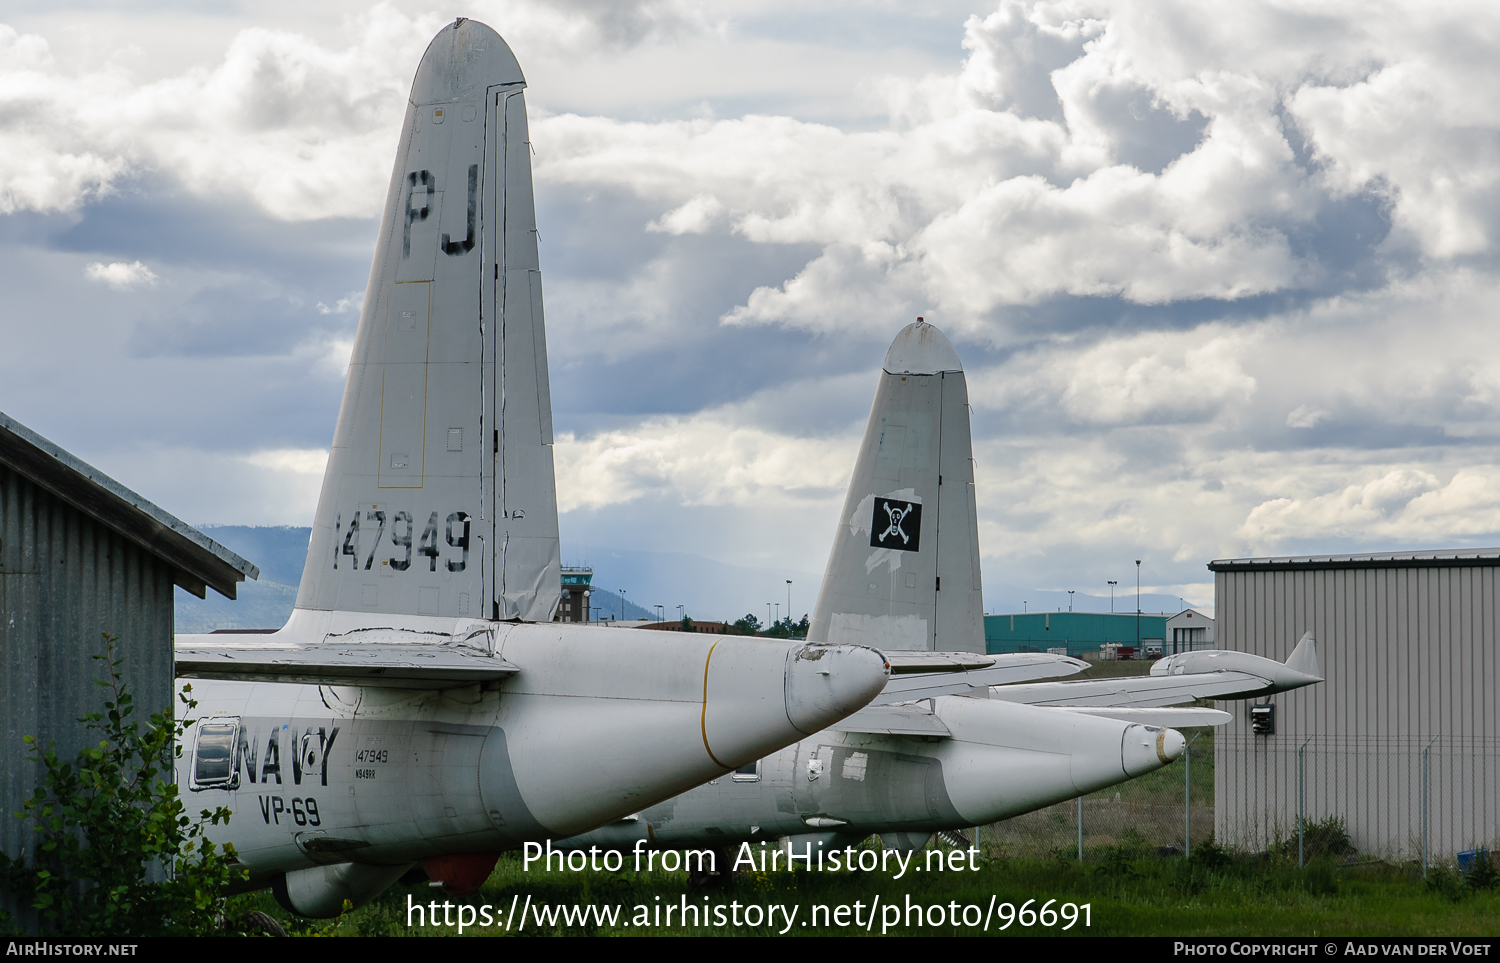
x=895, y=516
x=902, y=521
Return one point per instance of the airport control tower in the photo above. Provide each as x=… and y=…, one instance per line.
x=575, y=594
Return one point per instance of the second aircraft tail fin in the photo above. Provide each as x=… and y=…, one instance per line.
x=904, y=570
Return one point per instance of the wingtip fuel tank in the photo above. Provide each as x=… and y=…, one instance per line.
x=1262, y=676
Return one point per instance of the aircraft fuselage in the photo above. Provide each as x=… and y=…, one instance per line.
x=597, y=723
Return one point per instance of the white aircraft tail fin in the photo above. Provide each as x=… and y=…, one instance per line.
x=1304, y=657
x=904, y=570
x=439, y=496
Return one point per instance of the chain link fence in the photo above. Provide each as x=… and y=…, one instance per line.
x=1429, y=801
x=1165, y=812
x=1412, y=799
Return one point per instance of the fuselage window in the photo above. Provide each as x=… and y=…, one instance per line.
x=213, y=756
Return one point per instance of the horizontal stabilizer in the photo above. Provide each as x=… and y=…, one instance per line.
x=908, y=663
x=957, y=679
x=1166, y=718
x=1143, y=691
x=391, y=665
x=903, y=720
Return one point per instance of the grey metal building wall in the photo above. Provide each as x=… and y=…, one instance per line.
x=65, y=579
x=1402, y=738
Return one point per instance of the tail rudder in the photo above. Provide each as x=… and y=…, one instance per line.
x=439, y=497
x=904, y=569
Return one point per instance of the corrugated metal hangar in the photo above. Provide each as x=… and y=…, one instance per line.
x=81, y=555
x=1401, y=740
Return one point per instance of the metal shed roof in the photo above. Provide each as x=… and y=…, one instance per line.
x=1435, y=558
x=200, y=561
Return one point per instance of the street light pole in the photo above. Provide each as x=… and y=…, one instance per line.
x=1112, y=584
x=788, y=599
x=622, y=605
x=1137, y=606
x=1070, y=600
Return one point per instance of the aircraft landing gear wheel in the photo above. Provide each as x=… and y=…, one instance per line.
x=721, y=875
x=262, y=923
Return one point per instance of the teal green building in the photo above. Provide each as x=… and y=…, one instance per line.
x=1081, y=633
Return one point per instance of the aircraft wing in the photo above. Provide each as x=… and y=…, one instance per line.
x=394, y=665
x=1166, y=718
x=925, y=675
x=917, y=719
x=1140, y=691
x=1182, y=678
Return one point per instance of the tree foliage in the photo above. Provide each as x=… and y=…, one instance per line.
x=787, y=629
x=118, y=854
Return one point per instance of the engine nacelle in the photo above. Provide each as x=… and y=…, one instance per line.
x=1006, y=759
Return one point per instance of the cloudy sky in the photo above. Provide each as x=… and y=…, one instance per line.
x=1224, y=276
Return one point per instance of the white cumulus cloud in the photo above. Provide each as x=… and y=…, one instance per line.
x=711, y=458
x=121, y=276
x=1405, y=504
x=297, y=461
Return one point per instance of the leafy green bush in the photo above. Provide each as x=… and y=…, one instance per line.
x=1326, y=837
x=1482, y=875
x=119, y=855
x=1210, y=855
x=1445, y=883
x=1330, y=837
